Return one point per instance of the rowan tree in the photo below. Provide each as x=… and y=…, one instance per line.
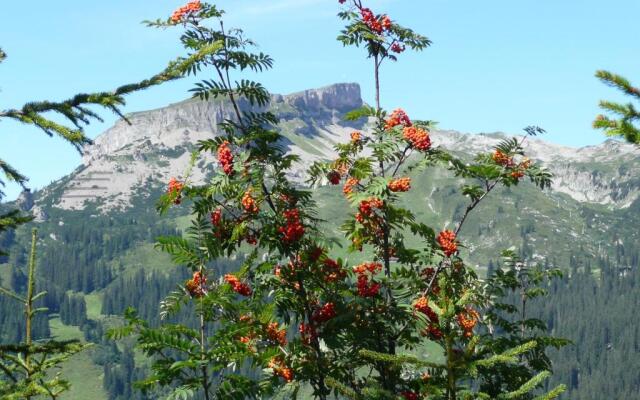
x=293, y=318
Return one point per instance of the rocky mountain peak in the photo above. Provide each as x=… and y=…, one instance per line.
x=341, y=97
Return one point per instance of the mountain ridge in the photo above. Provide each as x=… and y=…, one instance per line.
x=156, y=144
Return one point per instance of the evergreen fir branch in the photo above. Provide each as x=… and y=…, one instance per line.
x=557, y=391
x=509, y=356
x=527, y=387
x=618, y=82
x=12, y=295
x=398, y=359
x=342, y=389
x=11, y=174
x=627, y=116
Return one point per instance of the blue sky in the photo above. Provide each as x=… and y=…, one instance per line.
x=495, y=65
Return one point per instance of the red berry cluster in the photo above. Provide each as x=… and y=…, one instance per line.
x=332, y=271
x=367, y=208
x=277, y=335
x=180, y=13
x=468, y=320
x=367, y=287
x=225, y=158
x=280, y=369
x=400, y=185
x=375, y=24
x=248, y=203
x=237, y=286
x=216, y=217
x=422, y=305
x=293, y=230
x=307, y=333
x=417, y=137
x=409, y=395
x=434, y=332
x=447, y=242
x=324, y=313
x=175, y=190
x=397, y=117
x=334, y=177
x=397, y=47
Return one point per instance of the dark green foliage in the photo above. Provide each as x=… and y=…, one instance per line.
x=73, y=310
x=513, y=289
x=595, y=307
x=27, y=368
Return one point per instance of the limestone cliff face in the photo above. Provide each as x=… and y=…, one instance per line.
x=341, y=98
x=156, y=145
x=608, y=173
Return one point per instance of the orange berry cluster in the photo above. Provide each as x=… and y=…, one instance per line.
x=521, y=168
x=356, y=137
x=349, y=185
x=507, y=161
x=248, y=203
x=417, y=137
x=366, y=287
x=400, y=185
x=503, y=159
x=180, y=13
x=324, y=313
x=225, y=158
x=196, y=286
x=275, y=334
x=237, y=286
x=175, y=189
x=397, y=117
x=468, y=320
x=293, y=230
x=422, y=305
x=447, y=242
x=332, y=271
x=280, y=369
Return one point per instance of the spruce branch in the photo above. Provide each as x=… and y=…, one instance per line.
x=624, y=117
